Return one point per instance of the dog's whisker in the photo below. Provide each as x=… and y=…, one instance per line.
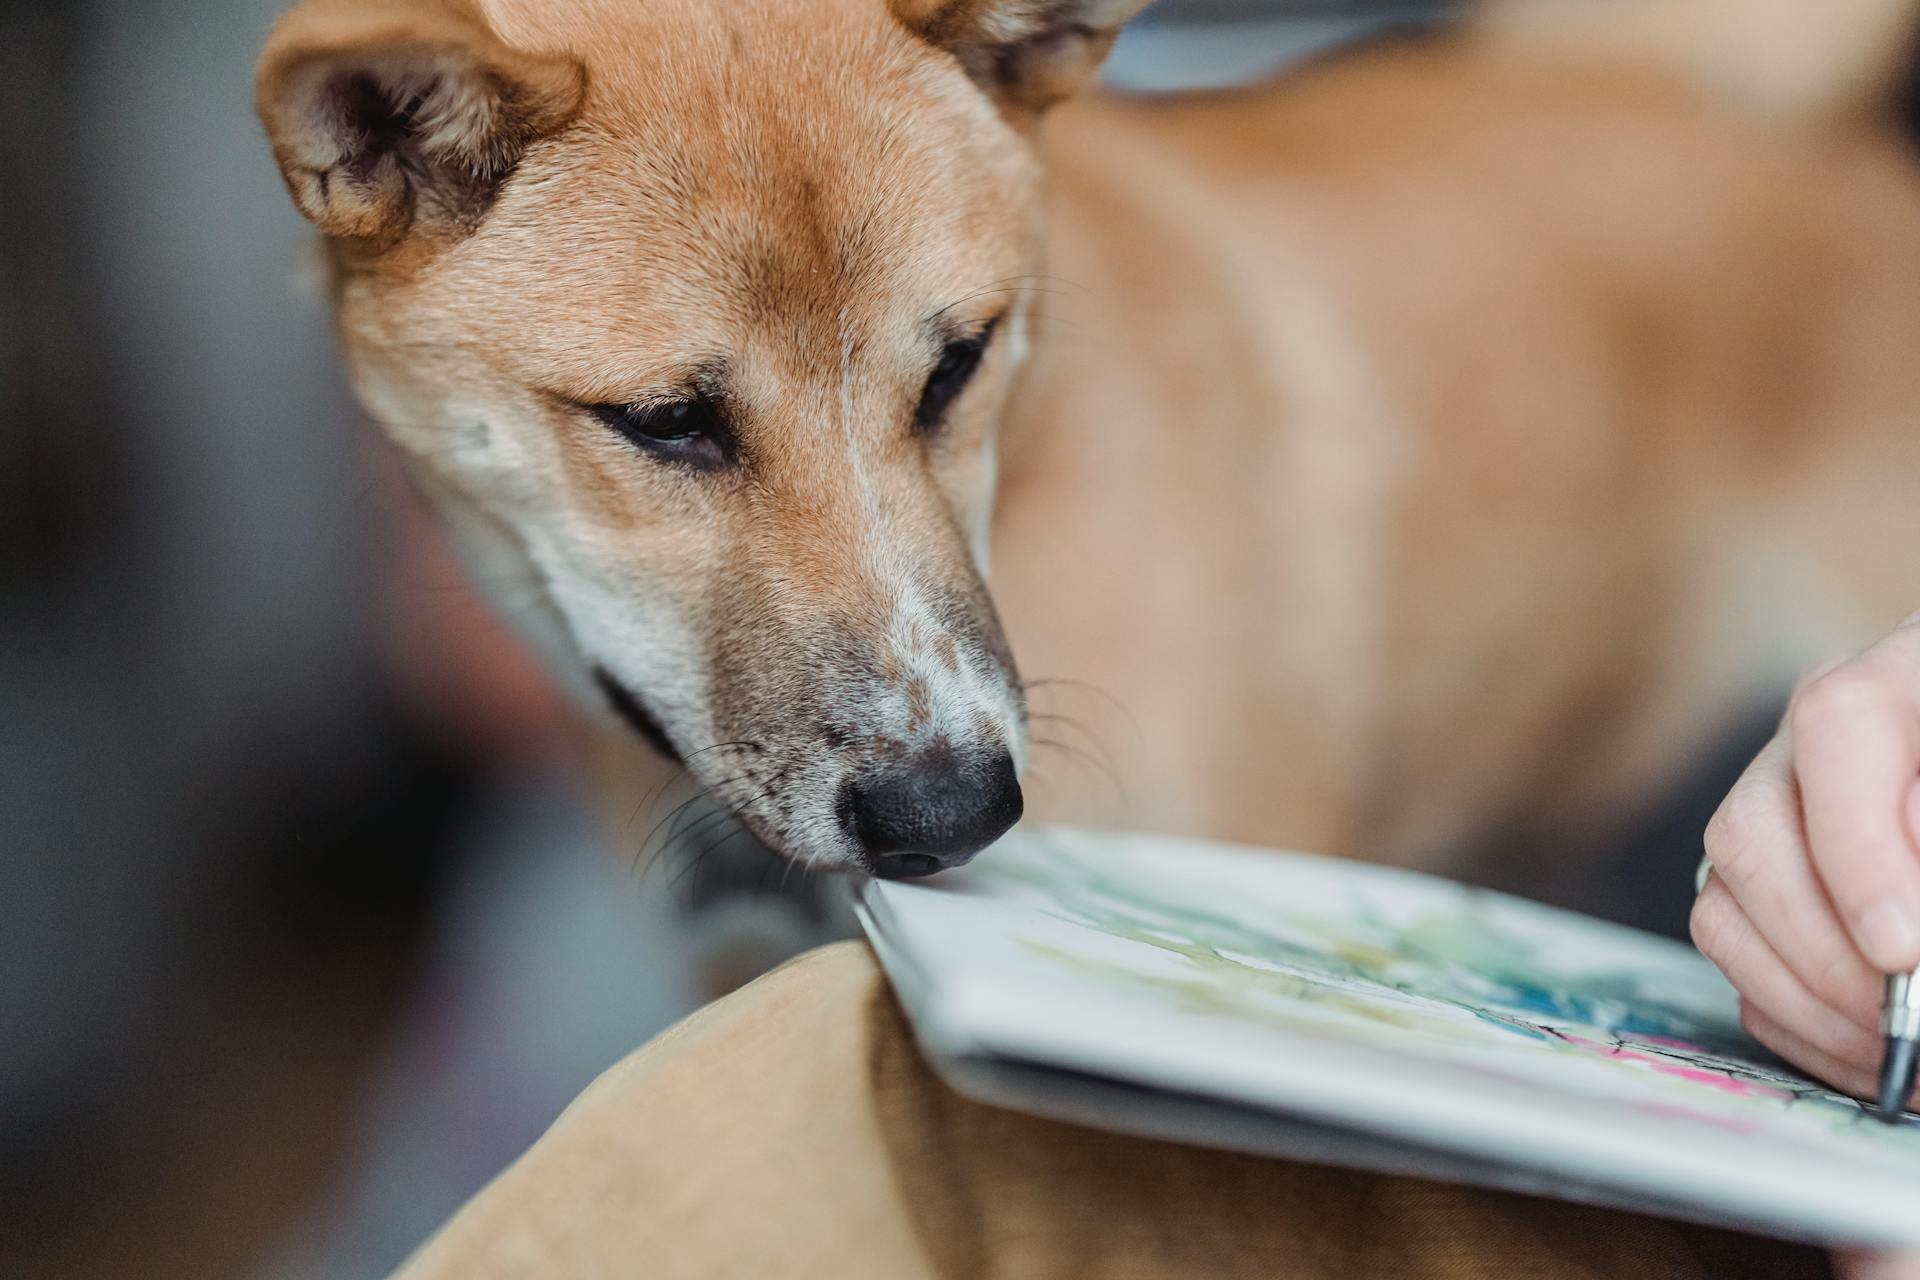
x=699, y=828
x=1069, y=683
x=686, y=772
x=1090, y=761
x=670, y=824
x=1094, y=742
x=710, y=844
x=1096, y=750
x=705, y=825
x=721, y=844
x=791, y=862
x=657, y=791
x=640, y=853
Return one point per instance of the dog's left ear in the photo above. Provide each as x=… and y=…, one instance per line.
x=390, y=117
x=1028, y=54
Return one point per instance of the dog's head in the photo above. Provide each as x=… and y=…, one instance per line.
x=699, y=314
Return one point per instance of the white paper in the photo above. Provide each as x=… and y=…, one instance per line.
x=1387, y=1002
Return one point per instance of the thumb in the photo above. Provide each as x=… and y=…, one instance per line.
x=1851, y=1265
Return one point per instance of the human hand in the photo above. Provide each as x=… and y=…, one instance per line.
x=1815, y=891
x=1876, y=1266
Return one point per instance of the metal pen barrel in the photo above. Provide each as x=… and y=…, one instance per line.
x=1900, y=1028
x=1900, y=1011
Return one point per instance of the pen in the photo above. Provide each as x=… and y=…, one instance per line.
x=1900, y=1026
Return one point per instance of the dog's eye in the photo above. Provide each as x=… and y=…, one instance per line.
x=959, y=361
x=687, y=430
x=665, y=423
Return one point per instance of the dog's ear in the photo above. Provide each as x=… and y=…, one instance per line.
x=404, y=114
x=1028, y=54
x=1791, y=57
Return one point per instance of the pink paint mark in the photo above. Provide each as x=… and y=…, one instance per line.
x=1732, y=1124
x=1696, y=1075
x=1669, y=1042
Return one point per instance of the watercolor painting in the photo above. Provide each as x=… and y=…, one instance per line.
x=1502, y=1027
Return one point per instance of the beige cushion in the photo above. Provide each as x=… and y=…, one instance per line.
x=791, y=1129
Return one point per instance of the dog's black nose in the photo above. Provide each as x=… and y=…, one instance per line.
x=933, y=812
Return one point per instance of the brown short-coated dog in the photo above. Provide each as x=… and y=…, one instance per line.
x=1446, y=435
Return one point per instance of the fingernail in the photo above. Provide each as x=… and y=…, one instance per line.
x=1890, y=934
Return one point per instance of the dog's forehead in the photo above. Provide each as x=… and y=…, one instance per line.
x=742, y=173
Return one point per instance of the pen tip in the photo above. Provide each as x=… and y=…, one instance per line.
x=1896, y=1078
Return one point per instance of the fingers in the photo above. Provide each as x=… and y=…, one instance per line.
x=1816, y=890
x=1856, y=736
x=1770, y=988
x=1758, y=848
x=1856, y=1265
x=1813, y=1060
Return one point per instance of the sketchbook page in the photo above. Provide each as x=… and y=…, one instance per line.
x=1390, y=1003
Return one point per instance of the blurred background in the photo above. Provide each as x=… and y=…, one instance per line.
x=307, y=928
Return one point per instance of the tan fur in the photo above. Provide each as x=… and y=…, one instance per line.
x=1441, y=438
x=1787, y=56
x=1511, y=423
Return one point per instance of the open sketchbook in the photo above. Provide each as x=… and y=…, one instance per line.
x=1347, y=1014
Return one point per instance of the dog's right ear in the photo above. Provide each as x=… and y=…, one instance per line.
x=1027, y=54
x=404, y=114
